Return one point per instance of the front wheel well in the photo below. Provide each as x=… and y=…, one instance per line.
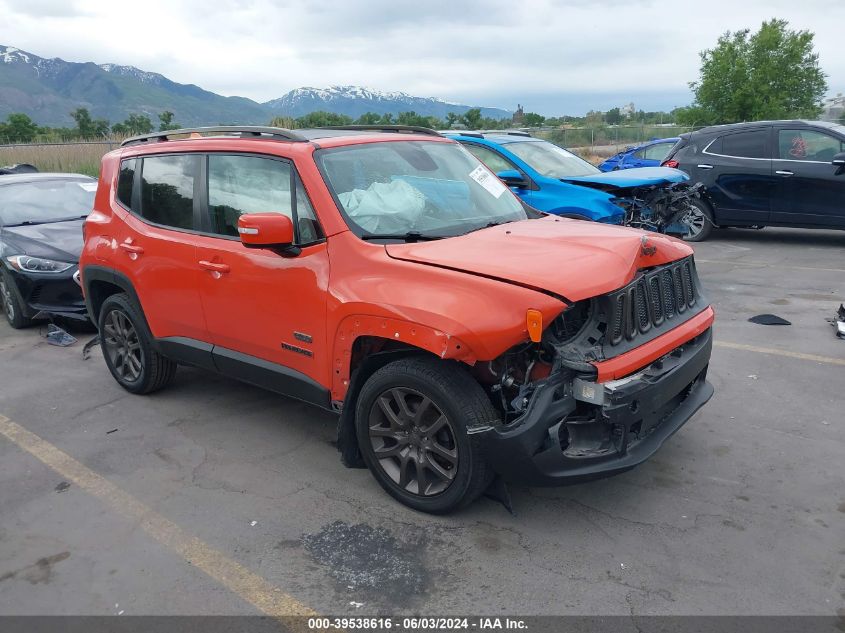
x=369, y=354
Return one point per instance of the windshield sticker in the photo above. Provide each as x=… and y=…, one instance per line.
x=88, y=186
x=493, y=185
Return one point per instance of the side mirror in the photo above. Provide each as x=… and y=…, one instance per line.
x=512, y=178
x=267, y=230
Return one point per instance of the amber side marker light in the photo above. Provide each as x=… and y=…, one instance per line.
x=534, y=323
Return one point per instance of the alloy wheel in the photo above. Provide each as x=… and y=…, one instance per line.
x=694, y=219
x=413, y=441
x=8, y=302
x=120, y=340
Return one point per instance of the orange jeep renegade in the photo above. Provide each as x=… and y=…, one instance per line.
x=386, y=274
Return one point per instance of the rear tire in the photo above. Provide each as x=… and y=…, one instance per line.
x=699, y=219
x=411, y=421
x=128, y=350
x=11, y=304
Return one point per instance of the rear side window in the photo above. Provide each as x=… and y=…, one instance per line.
x=125, y=182
x=167, y=190
x=251, y=184
x=658, y=151
x=750, y=144
x=808, y=145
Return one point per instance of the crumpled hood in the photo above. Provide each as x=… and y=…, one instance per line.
x=638, y=177
x=60, y=241
x=573, y=259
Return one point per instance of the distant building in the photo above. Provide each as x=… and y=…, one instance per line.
x=627, y=110
x=518, y=116
x=834, y=108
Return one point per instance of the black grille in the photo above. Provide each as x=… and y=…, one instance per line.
x=651, y=300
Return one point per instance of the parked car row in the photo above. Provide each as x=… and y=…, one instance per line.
x=387, y=274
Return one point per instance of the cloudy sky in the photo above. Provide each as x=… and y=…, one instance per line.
x=552, y=56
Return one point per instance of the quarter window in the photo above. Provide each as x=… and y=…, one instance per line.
x=167, y=190
x=808, y=145
x=750, y=144
x=125, y=182
x=251, y=184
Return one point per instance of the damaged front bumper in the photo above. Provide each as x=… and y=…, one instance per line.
x=575, y=430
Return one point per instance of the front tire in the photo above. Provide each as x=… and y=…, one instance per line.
x=11, y=304
x=699, y=220
x=127, y=348
x=411, y=422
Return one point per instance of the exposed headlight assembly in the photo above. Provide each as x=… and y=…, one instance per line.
x=29, y=264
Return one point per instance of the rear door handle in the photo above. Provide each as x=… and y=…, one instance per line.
x=705, y=166
x=213, y=267
x=133, y=250
x=785, y=172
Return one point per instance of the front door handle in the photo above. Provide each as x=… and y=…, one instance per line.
x=214, y=267
x=705, y=166
x=785, y=172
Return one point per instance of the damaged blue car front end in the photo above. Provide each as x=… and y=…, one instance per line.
x=552, y=179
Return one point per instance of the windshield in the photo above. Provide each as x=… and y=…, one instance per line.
x=43, y=201
x=551, y=160
x=434, y=189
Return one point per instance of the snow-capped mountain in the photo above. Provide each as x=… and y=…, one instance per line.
x=48, y=90
x=354, y=101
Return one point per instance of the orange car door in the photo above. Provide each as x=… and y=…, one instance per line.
x=265, y=310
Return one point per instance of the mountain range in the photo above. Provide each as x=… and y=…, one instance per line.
x=48, y=90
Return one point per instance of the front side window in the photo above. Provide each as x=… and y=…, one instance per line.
x=741, y=145
x=252, y=184
x=45, y=201
x=167, y=190
x=495, y=161
x=808, y=145
x=552, y=161
x=433, y=188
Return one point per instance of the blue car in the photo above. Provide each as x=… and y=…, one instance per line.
x=650, y=154
x=552, y=179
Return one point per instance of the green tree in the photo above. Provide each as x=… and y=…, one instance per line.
x=472, y=118
x=771, y=74
x=322, y=119
x=613, y=116
x=451, y=119
x=19, y=128
x=166, y=119
x=532, y=119
x=135, y=124
x=286, y=122
x=368, y=118
x=86, y=127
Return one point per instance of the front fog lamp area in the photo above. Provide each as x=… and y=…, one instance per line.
x=29, y=264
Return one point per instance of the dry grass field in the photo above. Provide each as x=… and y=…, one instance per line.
x=82, y=158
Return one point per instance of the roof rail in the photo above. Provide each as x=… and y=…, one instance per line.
x=463, y=133
x=273, y=133
x=406, y=129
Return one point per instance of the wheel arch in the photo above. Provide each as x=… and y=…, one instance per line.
x=100, y=283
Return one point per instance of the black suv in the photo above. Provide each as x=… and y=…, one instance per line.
x=769, y=173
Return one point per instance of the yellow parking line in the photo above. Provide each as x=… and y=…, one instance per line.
x=780, y=352
x=731, y=262
x=234, y=576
